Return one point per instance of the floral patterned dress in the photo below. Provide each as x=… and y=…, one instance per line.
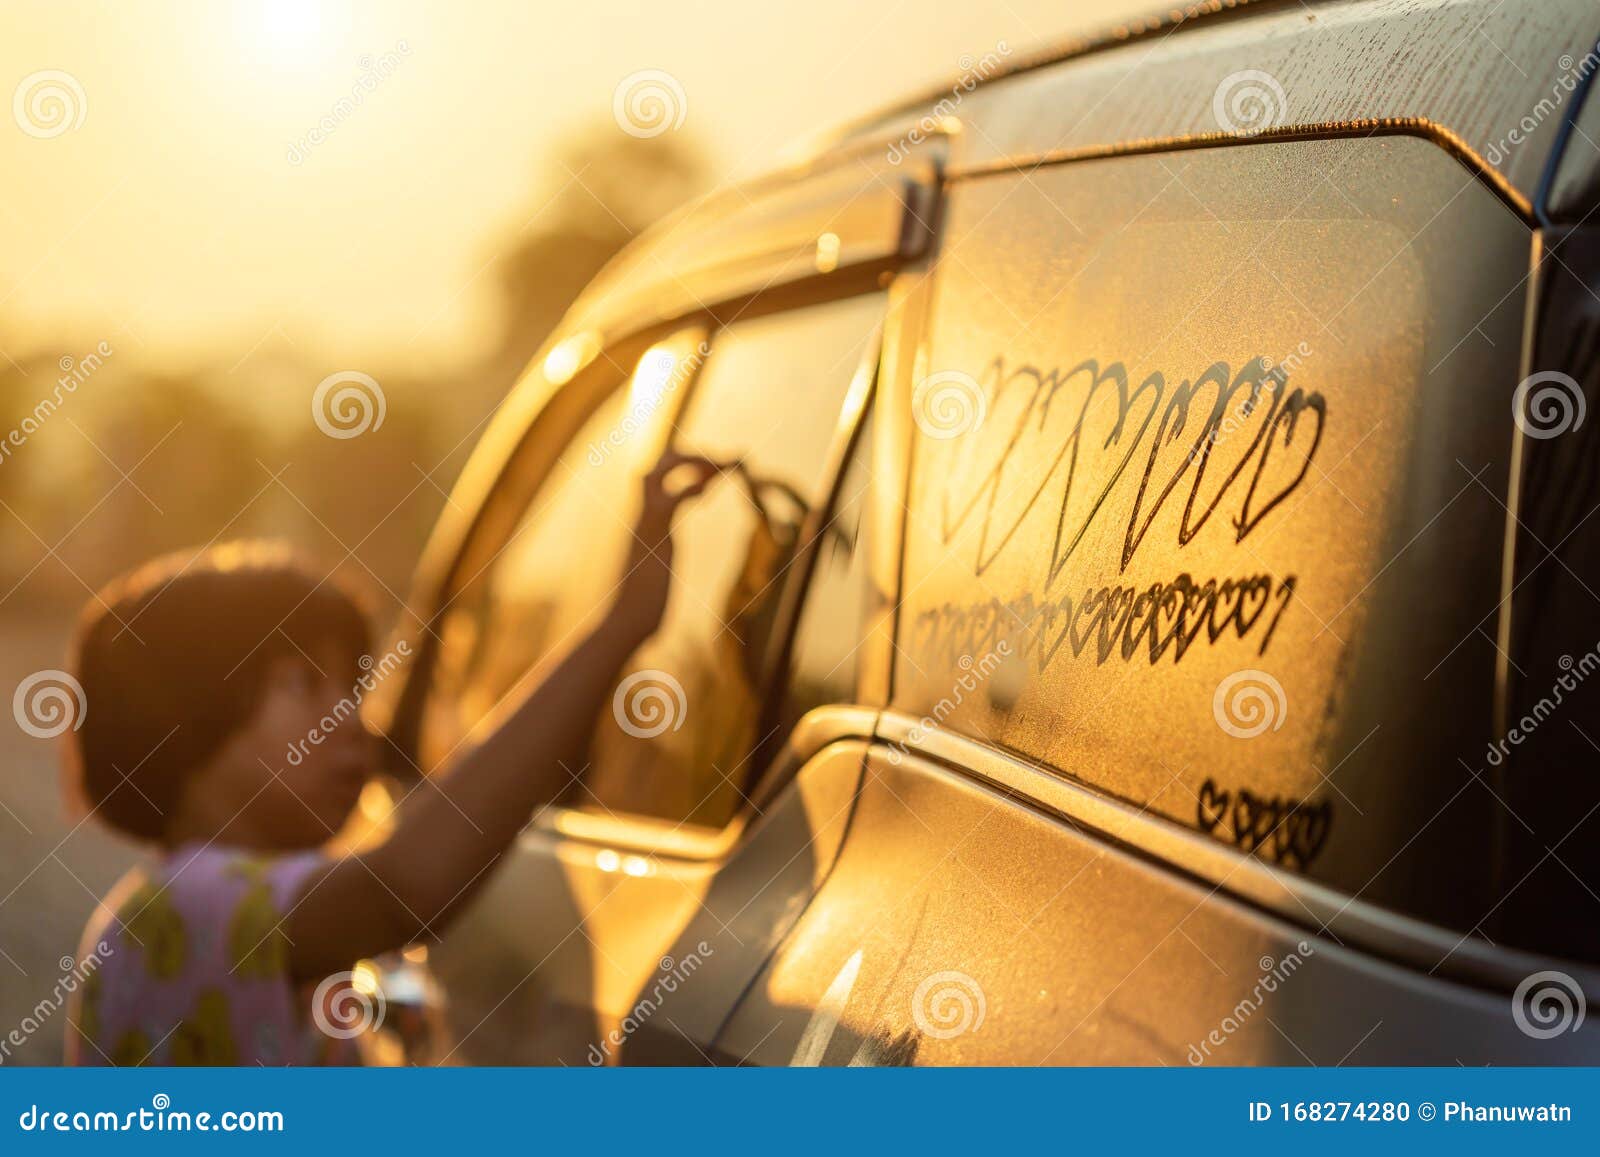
x=190, y=967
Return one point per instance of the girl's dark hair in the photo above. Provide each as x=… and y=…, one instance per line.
x=172, y=659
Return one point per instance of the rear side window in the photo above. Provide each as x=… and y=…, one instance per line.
x=685, y=717
x=1206, y=503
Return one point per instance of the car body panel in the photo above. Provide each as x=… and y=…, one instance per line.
x=960, y=926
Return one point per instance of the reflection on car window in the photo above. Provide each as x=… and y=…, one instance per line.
x=558, y=571
x=827, y=643
x=770, y=396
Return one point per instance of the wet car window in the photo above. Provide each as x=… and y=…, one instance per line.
x=684, y=717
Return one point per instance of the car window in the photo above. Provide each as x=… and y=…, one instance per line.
x=825, y=657
x=684, y=716
x=558, y=569
x=1208, y=496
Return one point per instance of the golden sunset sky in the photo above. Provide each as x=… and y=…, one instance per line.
x=174, y=217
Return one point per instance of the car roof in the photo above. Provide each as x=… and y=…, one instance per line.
x=1493, y=82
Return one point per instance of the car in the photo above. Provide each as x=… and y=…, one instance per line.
x=1153, y=618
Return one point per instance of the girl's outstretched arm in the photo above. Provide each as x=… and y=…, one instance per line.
x=448, y=837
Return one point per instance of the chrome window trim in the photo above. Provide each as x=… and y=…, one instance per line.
x=1328, y=912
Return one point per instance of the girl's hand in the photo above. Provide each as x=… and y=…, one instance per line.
x=647, y=581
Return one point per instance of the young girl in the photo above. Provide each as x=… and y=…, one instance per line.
x=199, y=676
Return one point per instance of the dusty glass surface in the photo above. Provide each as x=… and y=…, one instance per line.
x=770, y=396
x=1206, y=493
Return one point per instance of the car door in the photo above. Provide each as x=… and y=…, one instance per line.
x=659, y=874
x=1176, y=769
